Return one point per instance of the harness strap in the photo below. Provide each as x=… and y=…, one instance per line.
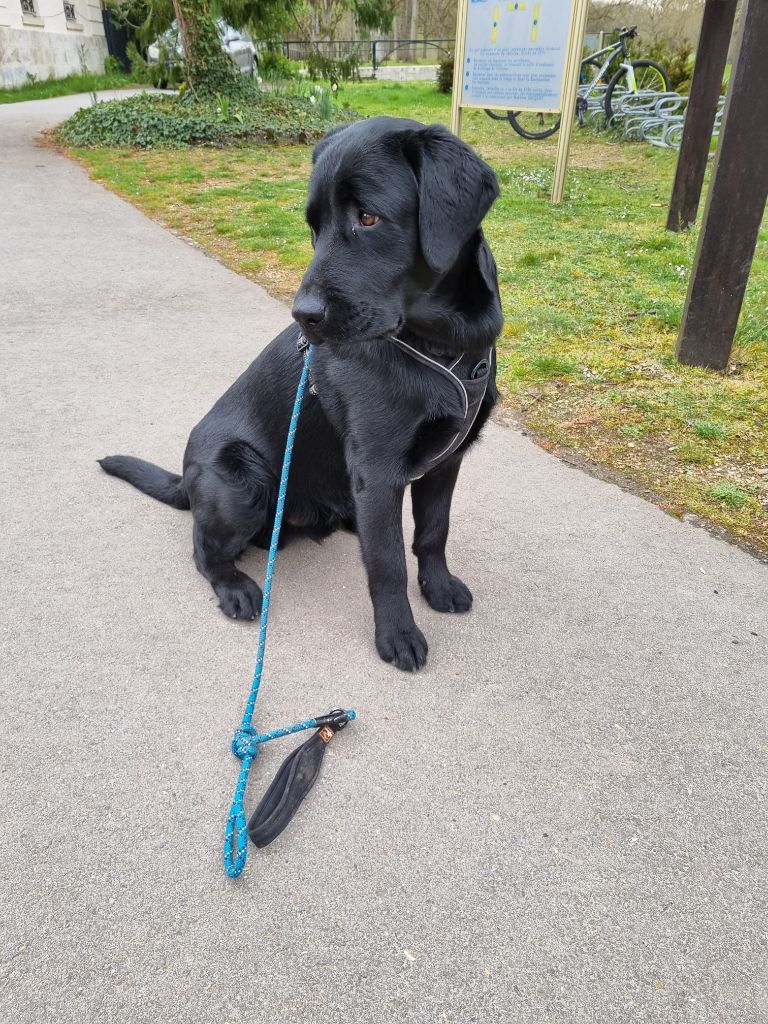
x=471, y=387
x=471, y=390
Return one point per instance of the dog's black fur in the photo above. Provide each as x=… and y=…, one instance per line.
x=423, y=271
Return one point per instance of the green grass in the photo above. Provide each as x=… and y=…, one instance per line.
x=43, y=90
x=593, y=292
x=730, y=495
x=711, y=429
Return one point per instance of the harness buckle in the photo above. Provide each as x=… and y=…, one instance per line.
x=301, y=343
x=479, y=370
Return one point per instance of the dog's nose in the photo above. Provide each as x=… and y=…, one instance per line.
x=308, y=310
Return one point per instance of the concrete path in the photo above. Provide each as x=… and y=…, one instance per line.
x=561, y=820
x=402, y=72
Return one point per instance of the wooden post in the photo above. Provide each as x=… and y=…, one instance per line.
x=711, y=56
x=735, y=204
x=570, y=91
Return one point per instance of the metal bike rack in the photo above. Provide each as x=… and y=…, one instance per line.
x=656, y=118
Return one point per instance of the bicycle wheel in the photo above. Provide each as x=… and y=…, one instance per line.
x=649, y=77
x=497, y=115
x=533, y=124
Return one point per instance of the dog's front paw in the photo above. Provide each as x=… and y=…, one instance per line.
x=241, y=600
x=402, y=646
x=446, y=593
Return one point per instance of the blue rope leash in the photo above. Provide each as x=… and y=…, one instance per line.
x=245, y=744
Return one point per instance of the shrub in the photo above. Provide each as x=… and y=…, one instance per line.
x=445, y=74
x=139, y=68
x=112, y=65
x=149, y=120
x=273, y=65
x=343, y=70
x=145, y=120
x=677, y=62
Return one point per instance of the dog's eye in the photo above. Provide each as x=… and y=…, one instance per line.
x=368, y=219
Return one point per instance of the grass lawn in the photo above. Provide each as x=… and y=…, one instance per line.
x=593, y=292
x=43, y=90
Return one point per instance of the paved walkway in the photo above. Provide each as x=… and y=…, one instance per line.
x=402, y=72
x=558, y=821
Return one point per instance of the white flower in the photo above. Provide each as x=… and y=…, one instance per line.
x=312, y=99
x=334, y=87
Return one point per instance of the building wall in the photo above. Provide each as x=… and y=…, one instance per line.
x=45, y=44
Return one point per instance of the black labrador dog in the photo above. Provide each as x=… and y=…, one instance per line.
x=401, y=306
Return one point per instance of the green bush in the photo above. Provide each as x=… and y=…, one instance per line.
x=113, y=65
x=445, y=74
x=149, y=120
x=676, y=61
x=343, y=70
x=273, y=65
x=145, y=120
x=141, y=71
x=166, y=72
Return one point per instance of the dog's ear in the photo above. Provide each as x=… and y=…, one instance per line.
x=456, y=190
x=323, y=144
x=486, y=264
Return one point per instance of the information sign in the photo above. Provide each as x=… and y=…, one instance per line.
x=514, y=54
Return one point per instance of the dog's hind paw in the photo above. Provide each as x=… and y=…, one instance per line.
x=404, y=647
x=446, y=594
x=240, y=600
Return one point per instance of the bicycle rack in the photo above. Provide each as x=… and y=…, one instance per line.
x=648, y=116
x=656, y=118
x=595, y=102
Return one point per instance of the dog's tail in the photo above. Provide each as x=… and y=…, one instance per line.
x=152, y=480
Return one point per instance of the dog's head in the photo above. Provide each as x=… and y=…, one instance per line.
x=394, y=208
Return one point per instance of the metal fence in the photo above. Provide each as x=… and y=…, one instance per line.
x=410, y=51
x=375, y=51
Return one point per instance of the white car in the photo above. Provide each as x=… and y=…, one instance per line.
x=238, y=45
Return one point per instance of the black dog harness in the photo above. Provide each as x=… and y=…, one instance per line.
x=470, y=376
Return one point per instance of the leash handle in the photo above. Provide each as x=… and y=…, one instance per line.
x=245, y=745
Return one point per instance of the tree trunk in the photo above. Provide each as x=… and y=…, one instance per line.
x=413, y=26
x=408, y=53
x=208, y=69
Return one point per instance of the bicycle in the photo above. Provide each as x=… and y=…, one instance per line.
x=631, y=76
